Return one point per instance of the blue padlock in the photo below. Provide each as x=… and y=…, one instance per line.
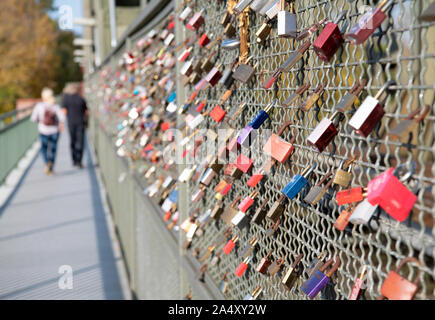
x=319, y=280
x=172, y=97
x=262, y=116
x=298, y=182
x=174, y=196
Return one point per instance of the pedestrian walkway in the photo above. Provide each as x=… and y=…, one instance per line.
x=51, y=222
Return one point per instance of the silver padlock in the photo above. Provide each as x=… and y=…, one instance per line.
x=241, y=5
x=363, y=212
x=287, y=22
x=207, y=177
x=273, y=10
x=240, y=220
x=257, y=5
x=185, y=13
x=350, y=97
x=244, y=72
x=267, y=6
x=169, y=39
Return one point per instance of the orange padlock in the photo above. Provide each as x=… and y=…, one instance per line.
x=277, y=147
x=395, y=287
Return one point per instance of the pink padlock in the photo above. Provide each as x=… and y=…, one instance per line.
x=391, y=195
x=248, y=201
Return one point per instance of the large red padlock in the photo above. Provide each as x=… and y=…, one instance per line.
x=244, y=163
x=329, y=40
x=391, y=195
x=277, y=147
x=217, y=114
x=395, y=287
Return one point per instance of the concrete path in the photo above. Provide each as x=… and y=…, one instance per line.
x=55, y=227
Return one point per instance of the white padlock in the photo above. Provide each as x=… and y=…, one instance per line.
x=363, y=212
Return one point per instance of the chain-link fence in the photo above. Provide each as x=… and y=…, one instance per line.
x=402, y=49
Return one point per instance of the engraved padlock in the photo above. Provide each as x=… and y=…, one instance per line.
x=371, y=111
x=287, y=27
x=343, y=178
x=319, y=280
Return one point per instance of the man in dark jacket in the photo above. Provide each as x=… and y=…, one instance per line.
x=76, y=111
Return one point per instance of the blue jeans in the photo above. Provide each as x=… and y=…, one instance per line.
x=48, y=148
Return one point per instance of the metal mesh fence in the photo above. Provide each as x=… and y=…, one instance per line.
x=402, y=50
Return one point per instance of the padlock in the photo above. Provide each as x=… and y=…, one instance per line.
x=226, y=188
x=215, y=260
x=210, y=250
x=234, y=146
x=317, y=192
x=235, y=172
x=207, y=65
x=295, y=57
x=329, y=40
x=350, y=97
x=231, y=211
x=185, y=13
x=204, y=40
x=187, y=68
x=215, y=165
x=343, y=178
x=271, y=80
x=200, y=106
x=194, y=78
x=343, y=218
x=348, y=196
x=226, y=18
x=254, y=295
x=356, y=289
x=260, y=213
x=264, y=263
x=217, y=211
x=403, y=127
x=227, y=77
x=197, y=195
x=230, y=245
x=315, y=264
x=273, y=10
x=217, y=114
x=230, y=30
x=391, y=194
x=313, y=97
x=257, y=5
x=242, y=267
x=395, y=287
x=362, y=212
x=262, y=116
x=259, y=175
x=319, y=280
x=240, y=6
x=196, y=21
x=275, y=267
x=263, y=32
x=244, y=72
x=249, y=248
x=277, y=147
x=368, y=23
x=298, y=93
x=428, y=14
x=292, y=273
x=169, y=39
x=276, y=210
x=287, y=21
x=223, y=285
x=369, y=113
x=213, y=76
x=240, y=220
x=230, y=44
x=244, y=163
x=182, y=57
x=323, y=133
x=248, y=201
x=298, y=182
x=207, y=177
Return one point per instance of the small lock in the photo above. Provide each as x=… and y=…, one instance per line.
x=292, y=273
x=244, y=72
x=267, y=84
x=230, y=245
x=248, y=201
x=362, y=212
x=369, y=113
x=194, y=78
x=278, y=148
x=254, y=295
x=207, y=177
x=240, y=6
x=343, y=219
x=196, y=21
x=244, y=163
x=356, y=194
x=247, y=136
x=298, y=182
x=217, y=114
x=356, y=289
x=350, y=97
x=396, y=287
x=230, y=212
x=215, y=165
x=275, y=267
x=319, y=280
x=217, y=211
x=204, y=40
x=263, y=32
x=260, y=213
x=313, y=97
x=197, y=195
x=343, y=178
x=273, y=10
x=230, y=30
x=264, y=264
x=276, y=210
x=403, y=127
x=226, y=18
x=249, y=248
x=323, y=133
x=298, y=93
x=316, y=193
x=213, y=76
x=240, y=220
x=223, y=285
x=185, y=13
x=242, y=267
x=207, y=65
x=262, y=116
x=287, y=27
x=185, y=54
x=368, y=23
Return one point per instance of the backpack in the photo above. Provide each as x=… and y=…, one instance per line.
x=49, y=118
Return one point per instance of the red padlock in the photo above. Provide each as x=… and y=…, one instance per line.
x=204, y=40
x=351, y=195
x=196, y=21
x=217, y=114
x=201, y=106
x=277, y=147
x=329, y=40
x=244, y=163
x=230, y=245
x=182, y=57
x=248, y=201
x=395, y=287
x=323, y=133
x=220, y=186
x=391, y=195
x=234, y=146
x=343, y=219
x=368, y=23
x=242, y=267
x=213, y=76
x=258, y=176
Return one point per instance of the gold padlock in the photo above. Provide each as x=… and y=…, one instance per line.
x=343, y=178
x=263, y=32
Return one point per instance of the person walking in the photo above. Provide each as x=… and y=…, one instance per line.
x=50, y=119
x=76, y=111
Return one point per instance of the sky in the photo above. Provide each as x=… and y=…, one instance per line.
x=77, y=12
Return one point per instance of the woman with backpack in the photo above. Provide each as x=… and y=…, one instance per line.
x=50, y=120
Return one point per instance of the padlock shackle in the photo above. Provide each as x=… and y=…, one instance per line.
x=413, y=114
x=303, y=88
x=320, y=88
x=408, y=174
x=423, y=114
x=334, y=267
x=237, y=199
x=324, y=179
x=309, y=169
x=384, y=88
x=410, y=259
x=385, y=5
x=264, y=203
x=283, y=127
x=270, y=106
x=341, y=16
x=298, y=259
x=358, y=88
x=281, y=198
